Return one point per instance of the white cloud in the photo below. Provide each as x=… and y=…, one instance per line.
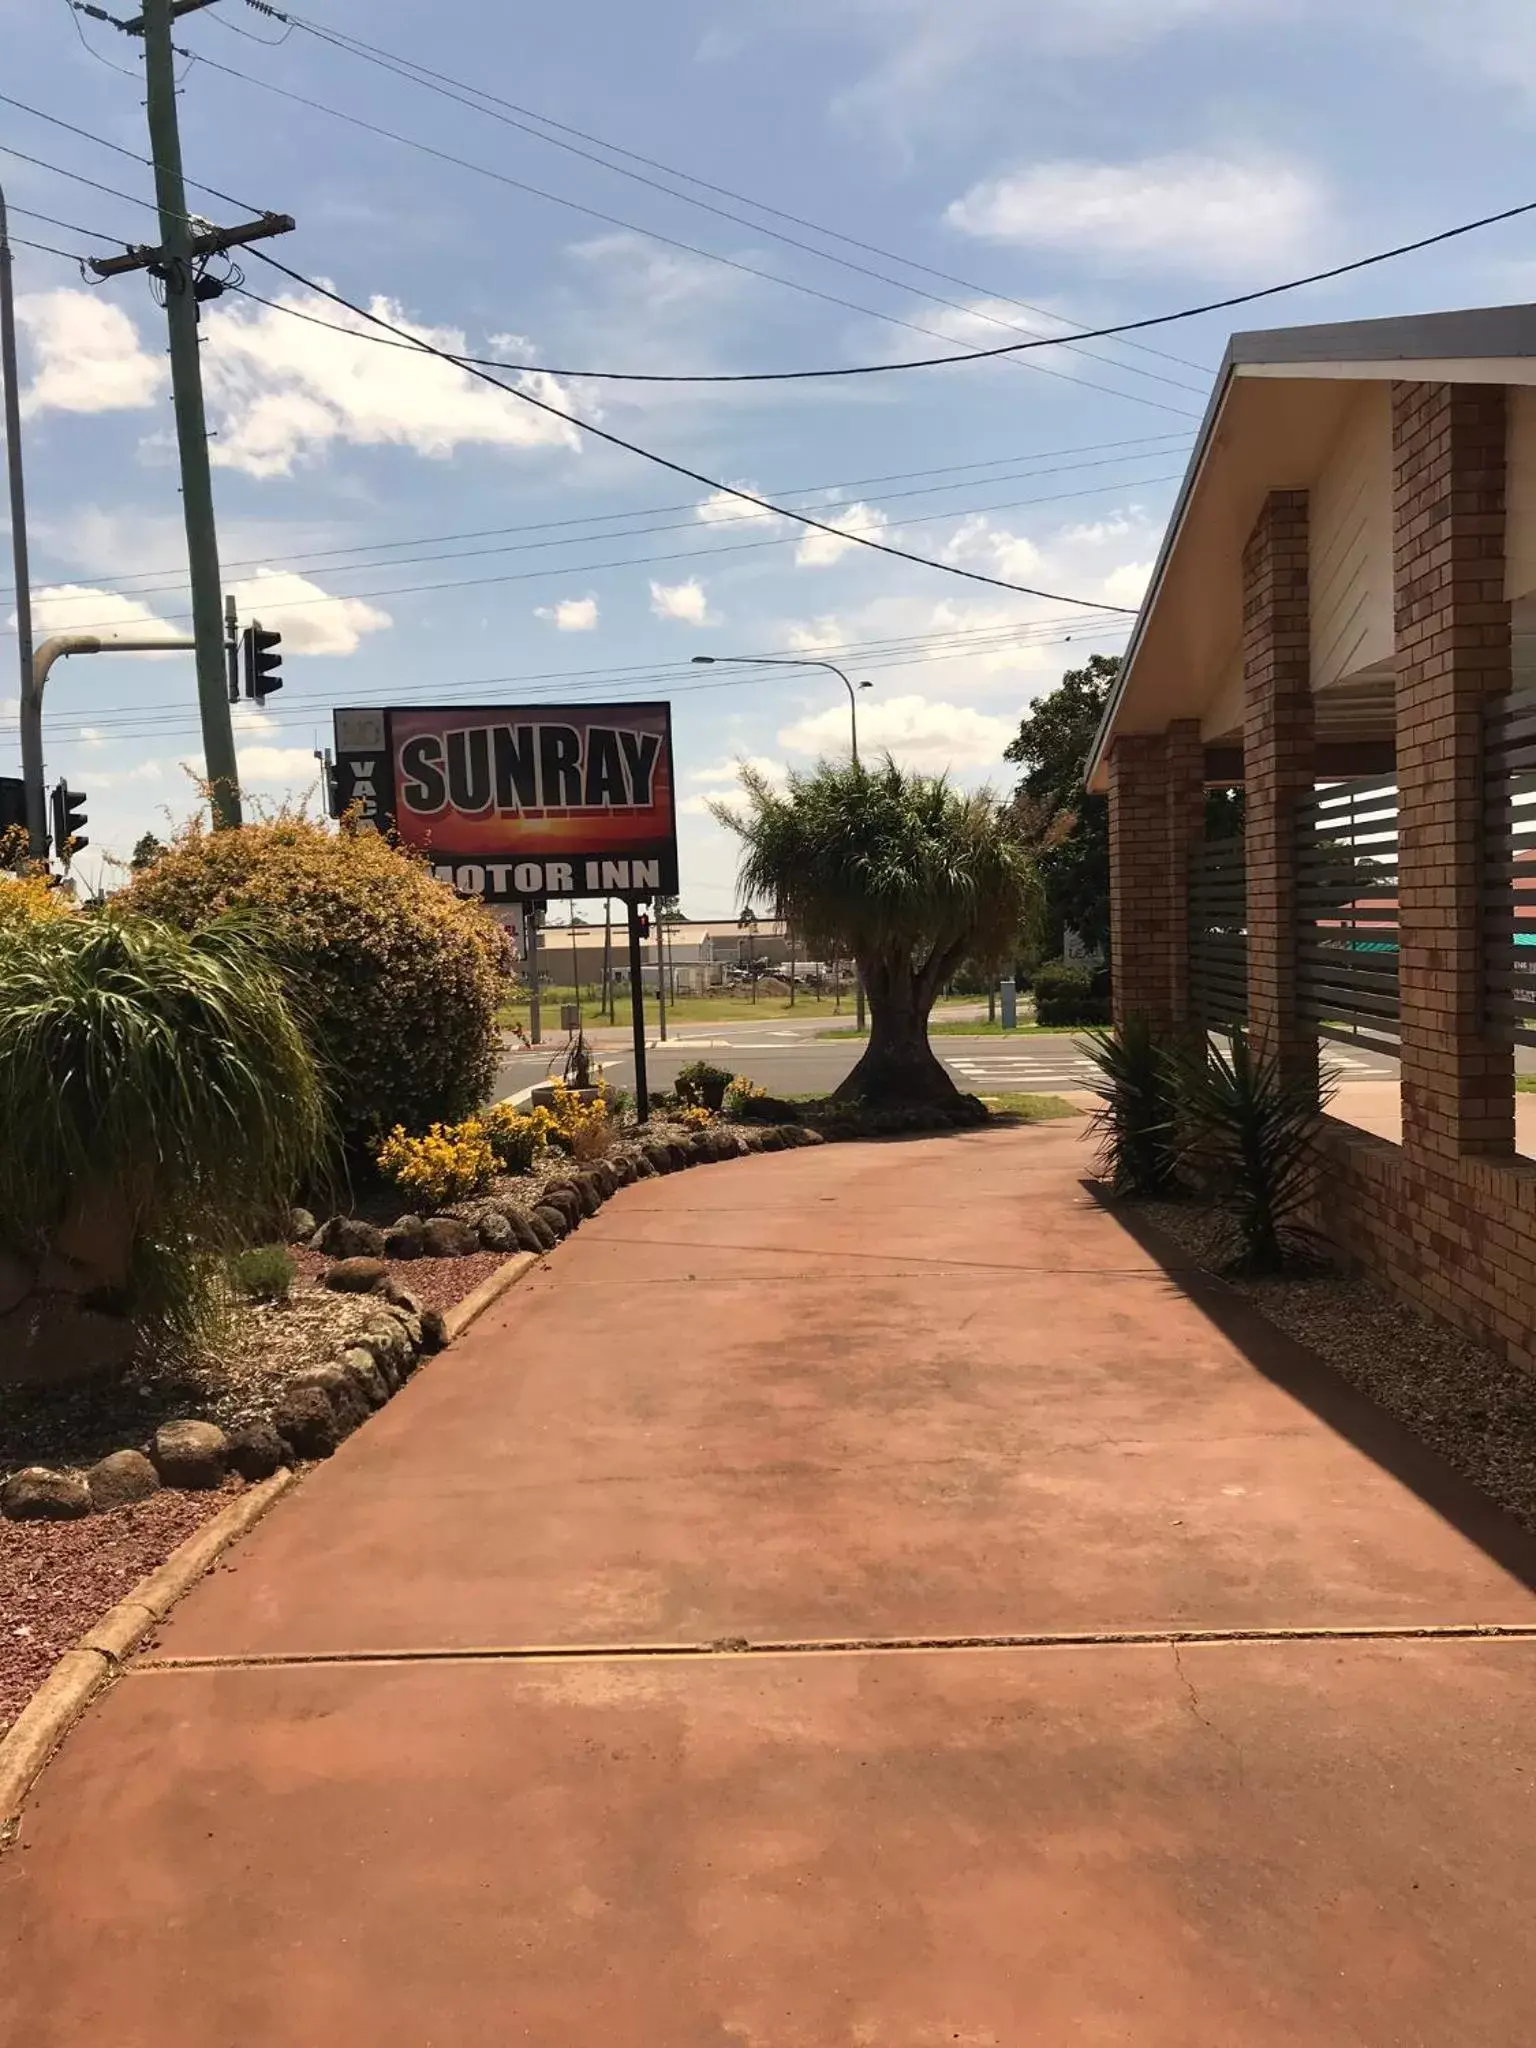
x=122, y=778
x=918, y=731
x=283, y=391
x=80, y=608
x=290, y=767
x=723, y=508
x=87, y=355
x=684, y=602
x=1210, y=214
x=309, y=619
x=724, y=780
x=570, y=615
x=248, y=717
x=819, y=550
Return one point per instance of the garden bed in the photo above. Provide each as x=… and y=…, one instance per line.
x=1472, y=1407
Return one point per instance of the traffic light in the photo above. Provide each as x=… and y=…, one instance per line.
x=68, y=807
x=13, y=804
x=260, y=662
x=643, y=924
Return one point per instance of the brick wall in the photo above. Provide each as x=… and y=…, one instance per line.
x=1457, y=1238
x=1448, y=1218
x=1453, y=651
x=1278, y=752
x=1140, y=904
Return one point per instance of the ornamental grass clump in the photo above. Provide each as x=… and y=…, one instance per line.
x=159, y=1103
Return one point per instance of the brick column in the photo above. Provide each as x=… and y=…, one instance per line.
x=1139, y=925
x=1453, y=650
x=1278, y=755
x=1184, y=828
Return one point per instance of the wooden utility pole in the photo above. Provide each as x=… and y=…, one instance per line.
x=178, y=263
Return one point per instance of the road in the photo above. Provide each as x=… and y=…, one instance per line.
x=790, y=1059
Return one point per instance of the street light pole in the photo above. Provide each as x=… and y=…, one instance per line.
x=37, y=824
x=808, y=661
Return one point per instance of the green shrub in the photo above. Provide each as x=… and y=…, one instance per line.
x=1250, y=1133
x=263, y=1272
x=158, y=1102
x=702, y=1086
x=1071, y=992
x=1137, y=1121
x=400, y=976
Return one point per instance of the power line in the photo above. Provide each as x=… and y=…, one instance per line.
x=574, y=571
x=152, y=583
x=669, y=241
x=1111, y=331
x=126, y=722
x=723, y=213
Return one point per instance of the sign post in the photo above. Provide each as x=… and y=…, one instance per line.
x=637, y=1013
x=531, y=962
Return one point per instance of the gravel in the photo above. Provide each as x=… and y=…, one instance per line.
x=58, y=1578
x=1477, y=1411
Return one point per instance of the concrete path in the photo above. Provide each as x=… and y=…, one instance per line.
x=772, y=1629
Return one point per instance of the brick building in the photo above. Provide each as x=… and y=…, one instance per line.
x=1342, y=619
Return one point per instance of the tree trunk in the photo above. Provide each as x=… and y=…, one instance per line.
x=899, y=1065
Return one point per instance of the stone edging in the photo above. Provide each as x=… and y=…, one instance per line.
x=81, y=1673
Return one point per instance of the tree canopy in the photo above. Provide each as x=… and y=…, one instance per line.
x=1068, y=828
x=903, y=872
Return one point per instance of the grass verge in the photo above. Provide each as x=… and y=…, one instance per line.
x=1030, y=1109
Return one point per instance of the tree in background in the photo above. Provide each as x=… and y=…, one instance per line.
x=145, y=853
x=904, y=873
x=1067, y=829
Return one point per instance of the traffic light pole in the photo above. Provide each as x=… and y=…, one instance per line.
x=223, y=771
x=637, y=1013
x=32, y=771
x=184, y=246
x=31, y=713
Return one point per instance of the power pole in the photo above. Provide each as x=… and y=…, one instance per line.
x=32, y=770
x=179, y=265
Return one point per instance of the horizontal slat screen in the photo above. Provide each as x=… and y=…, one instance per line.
x=1347, y=912
x=1509, y=868
x=1218, y=932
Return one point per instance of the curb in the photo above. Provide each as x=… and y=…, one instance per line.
x=81, y=1673
x=457, y=1319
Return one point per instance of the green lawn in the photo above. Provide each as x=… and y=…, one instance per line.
x=1031, y=1109
x=976, y=1028
x=1525, y=1084
x=712, y=1009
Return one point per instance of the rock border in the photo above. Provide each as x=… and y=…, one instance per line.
x=95, y=1660
x=84, y=1671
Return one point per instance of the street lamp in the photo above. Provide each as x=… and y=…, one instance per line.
x=808, y=661
x=797, y=661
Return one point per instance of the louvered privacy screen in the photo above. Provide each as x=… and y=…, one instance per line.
x=1218, y=932
x=1347, y=911
x=1509, y=868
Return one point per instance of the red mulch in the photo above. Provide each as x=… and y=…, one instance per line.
x=57, y=1579
x=439, y=1282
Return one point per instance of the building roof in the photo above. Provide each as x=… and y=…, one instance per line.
x=1277, y=403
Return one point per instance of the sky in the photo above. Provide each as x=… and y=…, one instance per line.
x=808, y=184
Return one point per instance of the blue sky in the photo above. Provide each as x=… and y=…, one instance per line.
x=1080, y=164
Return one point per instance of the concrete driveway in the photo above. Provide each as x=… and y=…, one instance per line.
x=854, y=1598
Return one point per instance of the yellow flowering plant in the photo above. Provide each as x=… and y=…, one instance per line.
x=517, y=1136
x=695, y=1116
x=448, y=1163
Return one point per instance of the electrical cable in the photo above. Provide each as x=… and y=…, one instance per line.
x=1112, y=330
x=138, y=581
x=671, y=242
x=422, y=74
x=861, y=269
x=576, y=570
x=158, y=582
